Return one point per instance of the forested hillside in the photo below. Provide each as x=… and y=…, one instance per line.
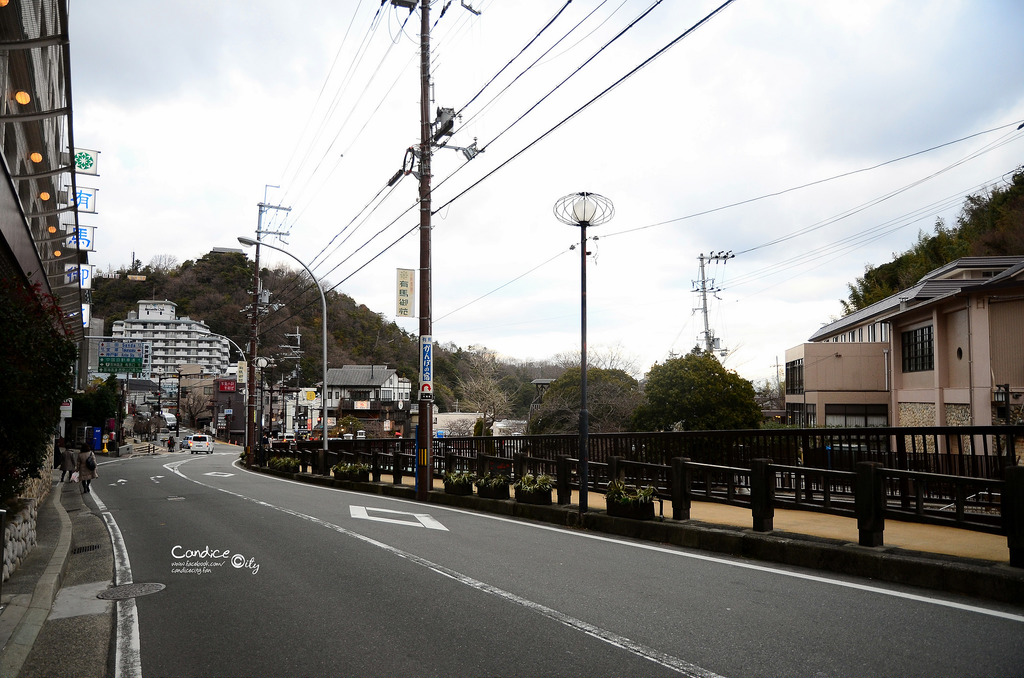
x=990, y=224
x=217, y=289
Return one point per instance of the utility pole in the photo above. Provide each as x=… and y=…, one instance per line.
x=424, y=442
x=251, y=435
x=703, y=289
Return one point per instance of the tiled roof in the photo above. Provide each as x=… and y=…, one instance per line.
x=931, y=286
x=359, y=375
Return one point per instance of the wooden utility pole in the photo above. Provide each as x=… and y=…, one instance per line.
x=425, y=434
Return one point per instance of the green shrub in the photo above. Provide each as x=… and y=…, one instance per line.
x=620, y=493
x=493, y=480
x=532, y=483
x=287, y=464
x=459, y=478
x=350, y=468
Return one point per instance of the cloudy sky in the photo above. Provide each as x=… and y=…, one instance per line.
x=807, y=138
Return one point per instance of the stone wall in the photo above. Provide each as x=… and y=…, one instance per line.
x=958, y=414
x=20, y=527
x=917, y=414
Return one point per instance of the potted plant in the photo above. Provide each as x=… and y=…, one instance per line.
x=531, y=489
x=355, y=472
x=627, y=501
x=283, y=464
x=459, y=482
x=493, y=486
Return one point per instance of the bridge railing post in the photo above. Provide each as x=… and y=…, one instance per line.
x=762, y=494
x=1013, y=513
x=681, y=483
x=869, y=503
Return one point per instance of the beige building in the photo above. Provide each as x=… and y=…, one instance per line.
x=947, y=351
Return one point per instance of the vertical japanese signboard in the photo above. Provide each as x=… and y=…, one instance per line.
x=426, y=368
x=405, y=293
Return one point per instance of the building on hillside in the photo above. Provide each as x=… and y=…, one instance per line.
x=947, y=351
x=175, y=341
x=371, y=393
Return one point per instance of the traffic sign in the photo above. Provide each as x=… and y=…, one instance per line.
x=121, y=356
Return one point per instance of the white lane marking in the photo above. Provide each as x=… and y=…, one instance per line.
x=419, y=519
x=640, y=650
x=697, y=556
x=218, y=474
x=156, y=479
x=128, y=649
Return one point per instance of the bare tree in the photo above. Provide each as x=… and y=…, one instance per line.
x=193, y=404
x=163, y=262
x=482, y=390
x=603, y=358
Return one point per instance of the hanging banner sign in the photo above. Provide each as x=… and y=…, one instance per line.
x=426, y=368
x=405, y=292
x=83, y=239
x=86, y=199
x=80, y=273
x=86, y=161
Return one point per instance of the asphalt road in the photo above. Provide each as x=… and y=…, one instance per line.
x=266, y=577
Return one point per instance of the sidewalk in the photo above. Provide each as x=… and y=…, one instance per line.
x=50, y=601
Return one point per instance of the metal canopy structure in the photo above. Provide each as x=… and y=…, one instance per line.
x=39, y=224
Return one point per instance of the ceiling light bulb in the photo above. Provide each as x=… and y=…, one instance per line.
x=56, y=253
x=52, y=229
x=22, y=97
x=36, y=157
x=44, y=196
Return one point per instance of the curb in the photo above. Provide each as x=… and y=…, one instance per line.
x=28, y=619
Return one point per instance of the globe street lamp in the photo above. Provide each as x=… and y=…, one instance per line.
x=584, y=209
x=323, y=309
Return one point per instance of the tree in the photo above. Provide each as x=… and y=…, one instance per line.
x=193, y=403
x=612, y=396
x=695, y=393
x=36, y=353
x=97, y=404
x=484, y=390
x=990, y=224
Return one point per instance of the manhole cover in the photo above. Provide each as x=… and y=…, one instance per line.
x=127, y=591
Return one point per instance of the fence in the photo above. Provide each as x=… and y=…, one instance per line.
x=939, y=475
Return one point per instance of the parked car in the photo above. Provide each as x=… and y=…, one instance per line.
x=186, y=443
x=200, y=444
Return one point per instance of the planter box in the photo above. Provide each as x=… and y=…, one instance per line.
x=541, y=498
x=461, y=489
x=357, y=477
x=498, y=492
x=644, y=511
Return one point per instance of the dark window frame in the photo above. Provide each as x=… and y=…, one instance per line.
x=918, y=349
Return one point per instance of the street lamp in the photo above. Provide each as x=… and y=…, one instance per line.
x=584, y=209
x=247, y=242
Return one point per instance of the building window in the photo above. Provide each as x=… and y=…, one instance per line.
x=801, y=414
x=850, y=416
x=795, y=377
x=918, y=350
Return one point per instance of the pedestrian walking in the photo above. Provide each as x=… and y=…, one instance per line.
x=69, y=463
x=86, y=467
x=170, y=444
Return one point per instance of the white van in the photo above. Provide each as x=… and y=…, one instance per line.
x=201, y=443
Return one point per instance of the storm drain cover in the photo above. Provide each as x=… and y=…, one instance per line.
x=127, y=591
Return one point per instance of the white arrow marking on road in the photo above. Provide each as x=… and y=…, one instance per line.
x=120, y=481
x=218, y=474
x=419, y=519
x=156, y=479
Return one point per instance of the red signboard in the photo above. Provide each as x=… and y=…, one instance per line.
x=226, y=386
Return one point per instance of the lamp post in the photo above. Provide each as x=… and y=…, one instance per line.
x=323, y=309
x=584, y=209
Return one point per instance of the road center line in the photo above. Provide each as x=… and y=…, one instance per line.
x=710, y=559
x=675, y=663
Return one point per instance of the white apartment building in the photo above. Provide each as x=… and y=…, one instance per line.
x=175, y=341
